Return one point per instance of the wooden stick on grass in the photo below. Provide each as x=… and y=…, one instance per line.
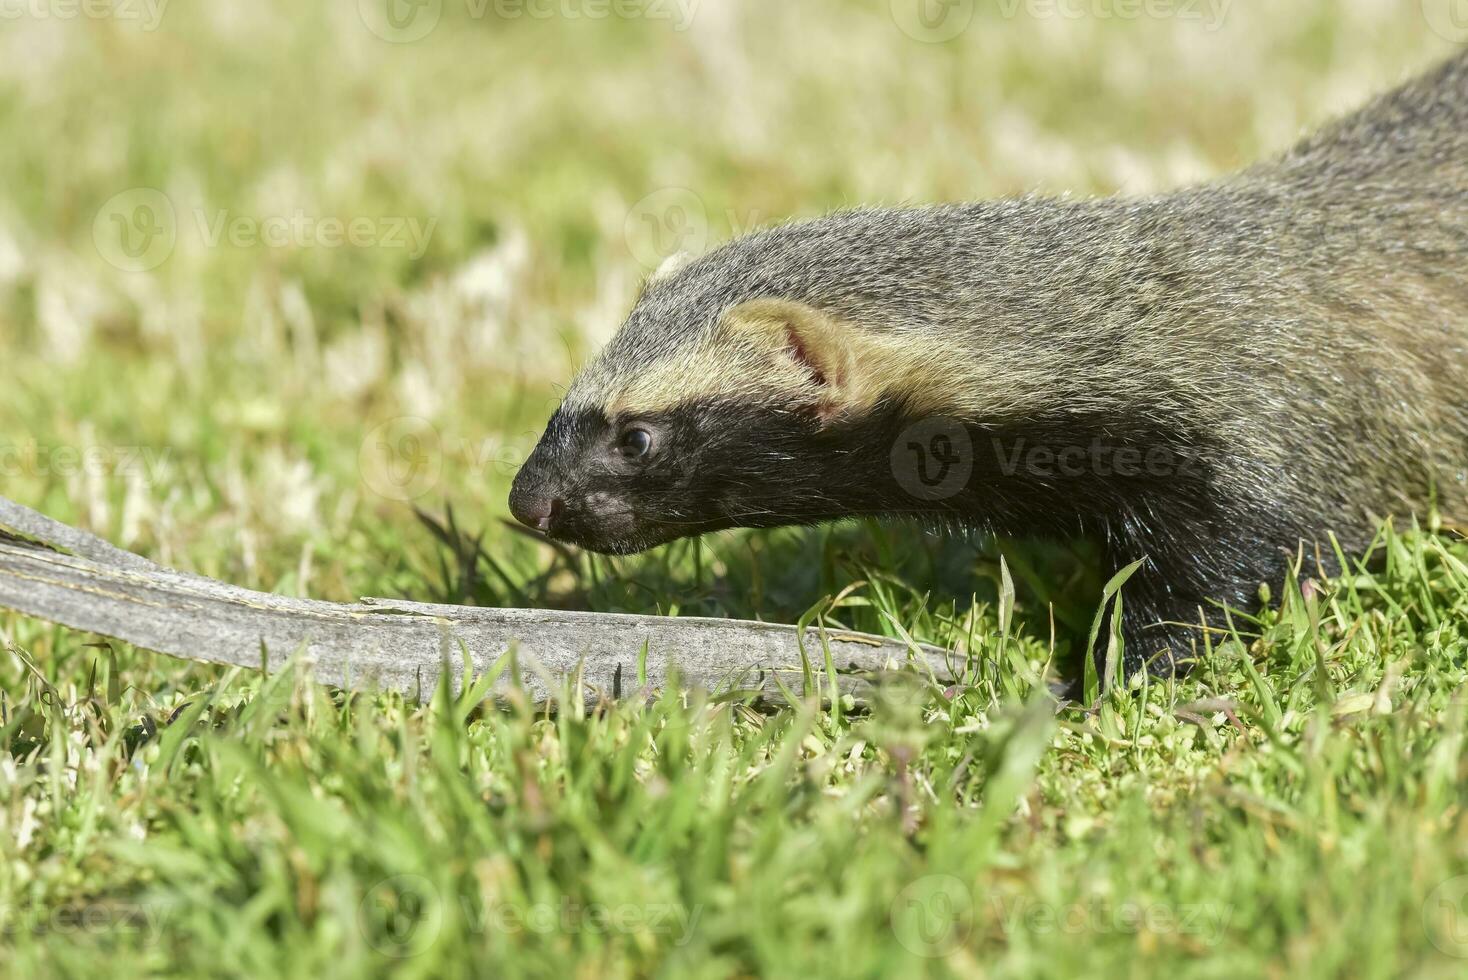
x=58, y=573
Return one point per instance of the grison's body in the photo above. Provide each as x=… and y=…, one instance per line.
x=1206, y=378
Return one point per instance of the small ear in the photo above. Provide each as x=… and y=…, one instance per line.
x=839, y=362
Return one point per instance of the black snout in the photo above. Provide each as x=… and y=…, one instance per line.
x=534, y=503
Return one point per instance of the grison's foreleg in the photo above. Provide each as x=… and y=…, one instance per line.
x=1194, y=570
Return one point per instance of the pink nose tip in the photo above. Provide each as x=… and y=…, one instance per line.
x=541, y=514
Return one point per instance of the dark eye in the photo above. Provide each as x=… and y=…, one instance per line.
x=634, y=443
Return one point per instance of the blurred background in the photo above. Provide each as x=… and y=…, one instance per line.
x=274, y=274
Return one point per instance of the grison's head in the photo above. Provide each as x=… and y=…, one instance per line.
x=731, y=397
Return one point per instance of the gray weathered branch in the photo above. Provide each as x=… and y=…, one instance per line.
x=66, y=576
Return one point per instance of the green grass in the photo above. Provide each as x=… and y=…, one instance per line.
x=1293, y=808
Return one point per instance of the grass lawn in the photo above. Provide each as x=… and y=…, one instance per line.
x=273, y=275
